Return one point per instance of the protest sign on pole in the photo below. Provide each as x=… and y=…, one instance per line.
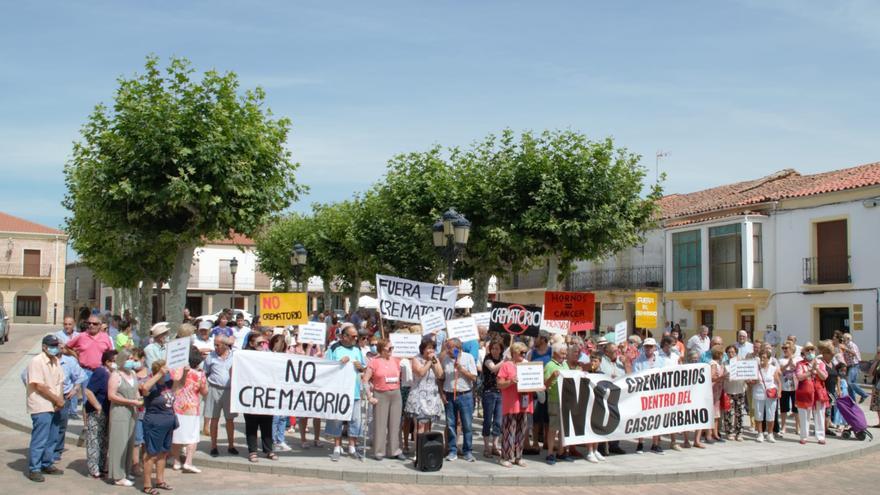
x=313, y=332
x=177, y=353
x=407, y=300
x=744, y=369
x=406, y=345
x=463, y=329
x=620, y=332
x=515, y=319
x=278, y=384
x=481, y=319
x=530, y=377
x=433, y=322
x=653, y=402
x=579, y=308
x=556, y=326
x=646, y=310
x=279, y=309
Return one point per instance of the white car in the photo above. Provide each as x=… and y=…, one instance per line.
x=248, y=318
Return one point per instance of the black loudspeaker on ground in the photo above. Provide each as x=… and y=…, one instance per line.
x=429, y=451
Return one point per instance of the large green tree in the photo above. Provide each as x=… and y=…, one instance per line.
x=182, y=161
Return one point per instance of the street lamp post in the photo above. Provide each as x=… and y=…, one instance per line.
x=450, y=236
x=233, y=269
x=298, y=260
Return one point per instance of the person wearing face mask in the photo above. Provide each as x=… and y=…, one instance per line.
x=122, y=392
x=811, y=395
x=97, y=408
x=189, y=388
x=45, y=400
x=261, y=422
x=141, y=374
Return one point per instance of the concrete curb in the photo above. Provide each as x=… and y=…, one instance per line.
x=338, y=472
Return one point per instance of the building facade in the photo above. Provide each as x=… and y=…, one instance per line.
x=32, y=262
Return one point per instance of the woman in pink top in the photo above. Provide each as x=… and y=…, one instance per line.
x=383, y=377
x=190, y=386
x=515, y=408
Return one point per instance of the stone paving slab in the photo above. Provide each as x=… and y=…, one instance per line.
x=718, y=461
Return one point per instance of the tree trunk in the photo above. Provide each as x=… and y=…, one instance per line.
x=354, y=295
x=178, y=282
x=553, y=272
x=328, y=294
x=144, y=310
x=480, y=290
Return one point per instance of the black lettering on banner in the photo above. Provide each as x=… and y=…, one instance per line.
x=241, y=396
x=258, y=397
x=284, y=315
x=305, y=371
x=285, y=395
x=574, y=401
x=605, y=406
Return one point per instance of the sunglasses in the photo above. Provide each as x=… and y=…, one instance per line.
x=94, y=323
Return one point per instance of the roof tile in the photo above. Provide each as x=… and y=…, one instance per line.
x=9, y=223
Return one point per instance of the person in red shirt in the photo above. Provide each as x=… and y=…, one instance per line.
x=383, y=375
x=515, y=408
x=89, y=346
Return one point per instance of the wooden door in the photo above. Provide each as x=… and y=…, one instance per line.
x=832, y=252
x=31, y=263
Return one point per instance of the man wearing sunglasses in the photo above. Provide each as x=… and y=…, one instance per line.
x=89, y=346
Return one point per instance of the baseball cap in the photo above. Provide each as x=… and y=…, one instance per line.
x=50, y=340
x=205, y=325
x=650, y=341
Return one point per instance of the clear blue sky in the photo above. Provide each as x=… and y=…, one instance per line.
x=733, y=90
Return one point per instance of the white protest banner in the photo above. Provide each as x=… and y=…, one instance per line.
x=482, y=319
x=407, y=300
x=530, y=377
x=177, y=353
x=652, y=402
x=292, y=385
x=620, y=332
x=313, y=332
x=744, y=369
x=433, y=322
x=406, y=345
x=556, y=326
x=463, y=329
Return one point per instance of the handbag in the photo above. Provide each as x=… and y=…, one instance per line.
x=725, y=401
x=769, y=393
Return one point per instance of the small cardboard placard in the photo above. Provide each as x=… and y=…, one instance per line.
x=177, y=353
x=463, y=329
x=530, y=377
x=313, y=332
x=406, y=345
x=620, y=332
x=433, y=322
x=481, y=319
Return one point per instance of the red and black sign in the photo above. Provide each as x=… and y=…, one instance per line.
x=515, y=319
x=577, y=307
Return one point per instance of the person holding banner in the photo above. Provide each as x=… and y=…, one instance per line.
x=551, y=373
x=344, y=351
x=515, y=407
x=736, y=393
x=218, y=370
x=647, y=361
x=460, y=371
x=258, y=422
x=313, y=350
x=614, y=366
x=383, y=392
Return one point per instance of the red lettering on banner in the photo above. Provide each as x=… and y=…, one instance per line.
x=272, y=302
x=660, y=401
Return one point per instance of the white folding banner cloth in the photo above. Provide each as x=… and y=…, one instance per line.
x=407, y=300
x=651, y=402
x=292, y=385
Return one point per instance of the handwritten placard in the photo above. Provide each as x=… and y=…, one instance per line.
x=481, y=319
x=556, y=326
x=433, y=322
x=406, y=345
x=463, y=329
x=529, y=377
x=177, y=353
x=313, y=332
x=745, y=369
x=620, y=332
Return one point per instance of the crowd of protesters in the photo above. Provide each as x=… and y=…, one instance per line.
x=139, y=416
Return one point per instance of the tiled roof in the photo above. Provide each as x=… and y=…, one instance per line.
x=784, y=184
x=234, y=239
x=9, y=223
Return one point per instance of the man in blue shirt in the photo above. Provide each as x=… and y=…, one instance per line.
x=344, y=351
x=68, y=331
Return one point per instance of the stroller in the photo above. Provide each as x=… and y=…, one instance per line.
x=855, y=417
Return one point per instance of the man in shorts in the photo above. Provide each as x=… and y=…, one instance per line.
x=218, y=369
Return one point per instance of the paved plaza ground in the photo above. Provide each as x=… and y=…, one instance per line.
x=738, y=467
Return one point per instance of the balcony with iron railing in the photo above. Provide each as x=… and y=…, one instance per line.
x=25, y=270
x=821, y=270
x=636, y=277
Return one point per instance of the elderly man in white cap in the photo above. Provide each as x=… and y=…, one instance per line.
x=156, y=351
x=202, y=339
x=649, y=359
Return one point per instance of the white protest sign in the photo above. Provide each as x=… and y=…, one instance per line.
x=556, y=326
x=648, y=403
x=620, y=332
x=278, y=384
x=313, y=332
x=463, y=329
x=406, y=345
x=482, y=319
x=433, y=322
x=744, y=369
x=177, y=353
x=407, y=300
x=530, y=377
